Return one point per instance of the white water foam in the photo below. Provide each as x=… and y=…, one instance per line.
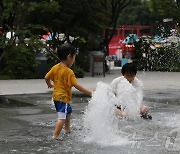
x=100, y=122
x=130, y=96
x=169, y=119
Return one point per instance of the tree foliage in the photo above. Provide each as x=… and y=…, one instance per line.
x=137, y=13
x=20, y=62
x=73, y=18
x=114, y=8
x=165, y=9
x=82, y=19
x=178, y=3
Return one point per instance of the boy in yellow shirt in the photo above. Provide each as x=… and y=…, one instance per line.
x=62, y=79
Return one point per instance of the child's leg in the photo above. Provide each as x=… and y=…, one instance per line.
x=59, y=125
x=67, y=123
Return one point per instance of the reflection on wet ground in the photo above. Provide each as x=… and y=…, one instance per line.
x=27, y=122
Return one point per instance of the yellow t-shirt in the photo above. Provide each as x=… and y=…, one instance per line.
x=64, y=79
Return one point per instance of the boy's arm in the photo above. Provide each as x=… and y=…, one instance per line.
x=48, y=82
x=82, y=89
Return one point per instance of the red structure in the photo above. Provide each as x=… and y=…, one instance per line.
x=121, y=33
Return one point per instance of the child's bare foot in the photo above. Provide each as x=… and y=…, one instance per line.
x=57, y=138
x=67, y=131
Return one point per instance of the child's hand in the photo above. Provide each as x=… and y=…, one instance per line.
x=92, y=91
x=48, y=82
x=50, y=86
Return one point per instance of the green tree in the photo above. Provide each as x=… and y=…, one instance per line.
x=12, y=19
x=178, y=3
x=20, y=62
x=83, y=19
x=165, y=9
x=114, y=8
x=137, y=13
x=12, y=58
x=77, y=18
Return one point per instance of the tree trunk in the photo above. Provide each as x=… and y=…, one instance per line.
x=116, y=7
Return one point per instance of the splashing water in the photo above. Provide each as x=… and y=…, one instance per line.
x=130, y=96
x=100, y=122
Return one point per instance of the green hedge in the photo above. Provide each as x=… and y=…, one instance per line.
x=19, y=62
x=78, y=71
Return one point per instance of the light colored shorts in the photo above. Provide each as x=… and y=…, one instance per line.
x=63, y=109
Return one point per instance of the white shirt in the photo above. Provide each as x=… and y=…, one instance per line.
x=128, y=94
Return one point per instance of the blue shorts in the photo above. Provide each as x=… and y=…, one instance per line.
x=62, y=109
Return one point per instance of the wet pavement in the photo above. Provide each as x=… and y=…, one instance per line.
x=27, y=118
x=27, y=125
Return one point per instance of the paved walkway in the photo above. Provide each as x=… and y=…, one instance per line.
x=151, y=80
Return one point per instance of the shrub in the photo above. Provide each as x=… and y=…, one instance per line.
x=78, y=71
x=20, y=62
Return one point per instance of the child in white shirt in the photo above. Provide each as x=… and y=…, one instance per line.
x=129, y=93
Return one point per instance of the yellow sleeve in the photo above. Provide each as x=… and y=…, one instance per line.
x=50, y=74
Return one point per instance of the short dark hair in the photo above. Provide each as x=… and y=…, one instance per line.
x=64, y=50
x=129, y=68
